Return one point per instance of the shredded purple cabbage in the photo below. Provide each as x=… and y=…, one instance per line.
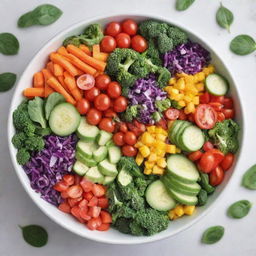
x=189, y=58
x=145, y=92
x=48, y=166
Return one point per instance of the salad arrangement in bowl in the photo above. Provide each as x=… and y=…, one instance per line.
x=127, y=126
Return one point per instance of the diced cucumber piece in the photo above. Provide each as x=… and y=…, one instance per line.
x=108, y=180
x=86, y=148
x=180, y=132
x=174, y=129
x=183, y=199
x=114, y=154
x=80, y=168
x=86, y=131
x=158, y=198
x=124, y=178
x=216, y=85
x=110, y=143
x=64, y=119
x=85, y=160
x=103, y=137
x=182, y=168
x=108, y=169
x=94, y=175
x=100, y=154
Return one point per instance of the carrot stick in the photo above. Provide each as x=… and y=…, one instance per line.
x=80, y=72
x=33, y=92
x=49, y=66
x=38, y=81
x=53, y=82
x=62, y=50
x=57, y=70
x=85, y=49
x=59, y=59
x=102, y=56
x=95, y=49
x=99, y=65
x=61, y=80
x=72, y=87
x=47, y=75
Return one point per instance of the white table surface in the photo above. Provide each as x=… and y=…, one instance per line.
x=17, y=208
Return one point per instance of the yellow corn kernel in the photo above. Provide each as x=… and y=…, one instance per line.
x=161, y=137
x=189, y=209
x=152, y=157
x=171, y=214
x=161, y=162
x=138, y=144
x=200, y=86
x=171, y=149
x=196, y=100
x=147, y=139
x=191, y=107
x=151, y=129
x=181, y=84
x=144, y=150
x=139, y=159
x=149, y=165
x=179, y=210
x=187, y=99
x=147, y=171
x=172, y=81
x=182, y=103
x=157, y=170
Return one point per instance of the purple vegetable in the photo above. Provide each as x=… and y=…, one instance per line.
x=189, y=58
x=48, y=166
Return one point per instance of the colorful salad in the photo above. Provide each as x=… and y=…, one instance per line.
x=128, y=126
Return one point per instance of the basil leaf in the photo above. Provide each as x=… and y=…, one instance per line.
x=224, y=17
x=45, y=14
x=239, y=209
x=35, y=235
x=52, y=100
x=9, y=44
x=36, y=111
x=212, y=235
x=249, y=178
x=182, y=5
x=7, y=81
x=243, y=45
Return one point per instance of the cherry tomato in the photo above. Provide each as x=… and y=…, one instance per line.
x=129, y=150
x=85, y=82
x=114, y=90
x=75, y=191
x=123, y=40
x=113, y=28
x=139, y=43
x=123, y=127
x=69, y=179
x=227, y=161
x=120, y=104
x=205, y=116
x=218, y=156
x=204, y=98
x=140, y=126
x=228, y=103
x=92, y=93
x=118, y=138
x=110, y=113
x=207, y=162
x=102, y=81
x=162, y=123
x=107, y=124
x=182, y=115
x=228, y=113
x=207, y=146
x=220, y=116
x=93, y=116
x=219, y=99
x=132, y=127
x=217, y=106
x=130, y=27
x=61, y=186
x=102, y=102
x=191, y=118
x=194, y=156
x=130, y=138
x=105, y=217
x=172, y=113
x=83, y=106
x=108, y=44
x=216, y=176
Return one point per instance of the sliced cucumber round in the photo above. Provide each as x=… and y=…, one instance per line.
x=64, y=119
x=114, y=154
x=216, y=85
x=183, y=199
x=85, y=160
x=86, y=131
x=178, y=136
x=108, y=169
x=80, y=168
x=158, y=198
x=86, y=148
x=173, y=130
x=94, y=175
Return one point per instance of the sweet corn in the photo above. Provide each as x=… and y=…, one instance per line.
x=189, y=209
x=139, y=159
x=179, y=210
x=144, y=150
x=149, y=165
x=157, y=170
x=171, y=149
x=147, y=171
x=161, y=162
x=152, y=157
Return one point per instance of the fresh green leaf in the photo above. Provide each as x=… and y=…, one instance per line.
x=7, y=81
x=52, y=100
x=36, y=111
x=202, y=197
x=249, y=178
x=224, y=17
x=45, y=14
x=9, y=44
x=35, y=235
x=243, y=45
x=239, y=209
x=182, y=5
x=212, y=235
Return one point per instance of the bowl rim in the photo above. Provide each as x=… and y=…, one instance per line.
x=113, y=15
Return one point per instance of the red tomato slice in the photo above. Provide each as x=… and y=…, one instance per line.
x=74, y=201
x=88, y=196
x=94, y=211
x=217, y=106
x=64, y=207
x=94, y=223
x=85, y=82
x=219, y=99
x=61, y=186
x=93, y=201
x=83, y=203
x=98, y=190
x=64, y=194
x=103, y=227
x=228, y=113
x=86, y=185
x=75, y=191
x=105, y=217
x=228, y=103
x=103, y=202
x=84, y=213
x=205, y=116
x=216, y=176
x=172, y=114
x=69, y=179
x=75, y=211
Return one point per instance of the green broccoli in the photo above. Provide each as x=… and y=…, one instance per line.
x=164, y=43
x=225, y=136
x=178, y=36
x=130, y=113
x=157, y=116
x=34, y=143
x=163, y=77
x=123, y=225
x=141, y=185
x=130, y=166
x=136, y=229
x=162, y=105
x=152, y=53
x=18, y=140
x=75, y=40
x=151, y=28
x=22, y=156
x=175, y=104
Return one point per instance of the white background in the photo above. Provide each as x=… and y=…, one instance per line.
x=17, y=208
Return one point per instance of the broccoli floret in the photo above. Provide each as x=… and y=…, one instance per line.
x=164, y=76
x=177, y=35
x=29, y=129
x=114, y=197
x=92, y=35
x=130, y=166
x=141, y=185
x=175, y=104
x=75, y=40
x=164, y=43
x=22, y=156
x=162, y=105
x=130, y=113
x=34, y=143
x=157, y=116
x=123, y=225
x=152, y=53
x=136, y=229
x=139, y=68
x=151, y=28
x=18, y=140
x=125, y=91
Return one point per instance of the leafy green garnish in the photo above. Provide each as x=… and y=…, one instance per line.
x=239, y=209
x=249, y=178
x=212, y=235
x=36, y=111
x=52, y=100
x=7, y=81
x=182, y=5
x=243, y=45
x=224, y=17
x=9, y=44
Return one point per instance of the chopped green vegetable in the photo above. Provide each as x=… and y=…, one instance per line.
x=243, y=45
x=52, y=100
x=182, y=5
x=130, y=166
x=162, y=105
x=131, y=113
x=249, y=178
x=212, y=235
x=22, y=156
x=9, y=44
x=239, y=209
x=7, y=81
x=36, y=111
x=224, y=17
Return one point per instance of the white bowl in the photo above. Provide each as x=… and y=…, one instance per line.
x=65, y=220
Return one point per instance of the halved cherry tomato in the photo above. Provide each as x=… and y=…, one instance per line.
x=113, y=28
x=103, y=227
x=130, y=138
x=102, y=102
x=75, y=191
x=88, y=196
x=103, y=202
x=108, y=44
x=182, y=115
x=207, y=146
x=204, y=98
x=118, y=138
x=207, y=162
x=75, y=211
x=94, y=211
x=220, y=116
x=105, y=217
x=228, y=103
x=74, y=201
x=64, y=207
x=129, y=150
x=83, y=106
x=139, y=43
x=86, y=185
x=228, y=113
x=130, y=27
x=140, y=126
x=123, y=127
x=172, y=113
x=162, y=123
x=102, y=81
x=110, y=113
x=123, y=40
x=194, y=156
x=227, y=161
x=92, y=93
x=107, y=124
x=217, y=106
x=219, y=99
x=98, y=190
x=205, y=116
x=69, y=179
x=83, y=203
x=93, y=116
x=84, y=213
x=216, y=176
x=61, y=186
x=93, y=201
x=218, y=156
x=114, y=90
x=93, y=223
x=120, y=104
x=85, y=82
x=64, y=194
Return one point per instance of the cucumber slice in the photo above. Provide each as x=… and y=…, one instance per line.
x=86, y=131
x=110, y=143
x=114, y=154
x=86, y=148
x=80, y=168
x=94, y=175
x=124, y=178
x=64, y=119
x=216, y=84
x=103, y=137
x=172, y=132
x=183, y=199
x=158, y=198
x=192, y=139
x=108, y=180
x=182, y=168
x=179, y=133
x=108, y=169
x=85, y=160
x=100, y=154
